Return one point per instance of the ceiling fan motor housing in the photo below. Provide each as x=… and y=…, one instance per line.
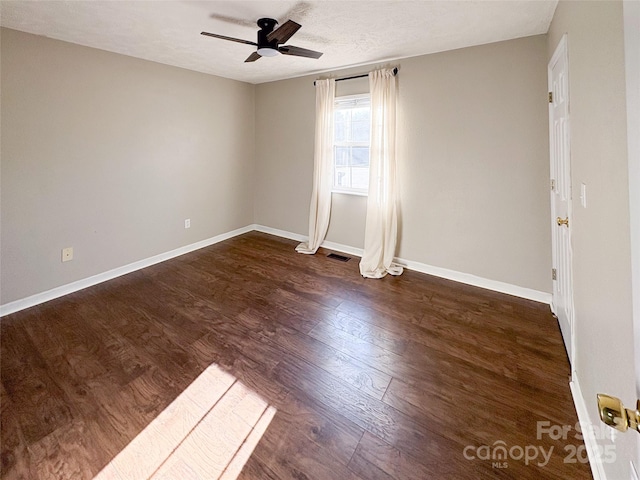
x=267, y=25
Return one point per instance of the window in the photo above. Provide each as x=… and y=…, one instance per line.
x=352, y=125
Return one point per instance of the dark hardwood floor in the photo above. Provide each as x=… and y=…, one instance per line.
x=409, y=377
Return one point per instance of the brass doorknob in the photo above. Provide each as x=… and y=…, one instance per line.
x=613, y=413
x=563, y=221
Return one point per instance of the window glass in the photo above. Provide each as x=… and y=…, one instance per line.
x=352, y=133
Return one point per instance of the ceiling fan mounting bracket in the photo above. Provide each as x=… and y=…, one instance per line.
x=267, y=24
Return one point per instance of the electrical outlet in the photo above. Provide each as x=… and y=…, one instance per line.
x=187, y=223
x=67, y=254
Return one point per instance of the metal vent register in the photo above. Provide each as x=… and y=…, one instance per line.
x=341, y=258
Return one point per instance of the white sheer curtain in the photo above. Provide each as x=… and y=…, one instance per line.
x=320, y=209
x=382, y=216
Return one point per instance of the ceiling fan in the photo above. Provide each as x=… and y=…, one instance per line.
x=270, y=41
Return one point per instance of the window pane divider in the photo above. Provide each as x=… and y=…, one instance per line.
x=351, y=144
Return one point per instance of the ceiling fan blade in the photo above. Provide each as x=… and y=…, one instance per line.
x=299, y=52
x=284, y=32
x=228, y=38
x=253, y=57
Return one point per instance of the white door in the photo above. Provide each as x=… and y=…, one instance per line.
x=562, y=302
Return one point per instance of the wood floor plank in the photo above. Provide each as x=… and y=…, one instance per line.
x=317, y=426
x=65, y=453
x=388, y=339
x=169, y=428
x=442, y=370
x=343, y=366
x=390, y=463
x=294, y=456
x=290, y=309
x=233, y=469
x=493, y=421
x=255, y=469
x=147, y=337
x=233, y=334
x=15, y=459
x=375, y=356
x=37, y=400
x=367, y=412
x=411, y=341
x=210, y=447
x=255, y=375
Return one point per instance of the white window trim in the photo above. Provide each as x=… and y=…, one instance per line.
x=345, y=102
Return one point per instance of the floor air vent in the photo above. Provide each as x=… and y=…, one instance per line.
x=341, y=258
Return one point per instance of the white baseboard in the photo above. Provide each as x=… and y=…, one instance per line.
x=466, y=278
x=586, y=423
x=279, y=233
x=39, y=298
x=338, y=247
x=476, y=281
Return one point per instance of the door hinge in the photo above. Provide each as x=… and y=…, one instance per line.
x=553, y=184
x=550, y=97
x=554, y=274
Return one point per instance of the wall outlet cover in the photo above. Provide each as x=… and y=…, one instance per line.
x=67, y=254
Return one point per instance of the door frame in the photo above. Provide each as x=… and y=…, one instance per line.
x=562, y=50
x=631, y=19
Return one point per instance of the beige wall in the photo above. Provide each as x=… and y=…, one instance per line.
x=110, y=154
x=600, y=234
x=474, y=162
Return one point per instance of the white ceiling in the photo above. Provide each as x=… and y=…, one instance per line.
x=349, y=32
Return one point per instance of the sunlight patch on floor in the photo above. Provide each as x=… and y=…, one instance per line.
x=208, y=432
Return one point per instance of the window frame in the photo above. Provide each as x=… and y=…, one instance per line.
x=346, y=102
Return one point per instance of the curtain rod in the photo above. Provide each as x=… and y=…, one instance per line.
x=395, y=72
